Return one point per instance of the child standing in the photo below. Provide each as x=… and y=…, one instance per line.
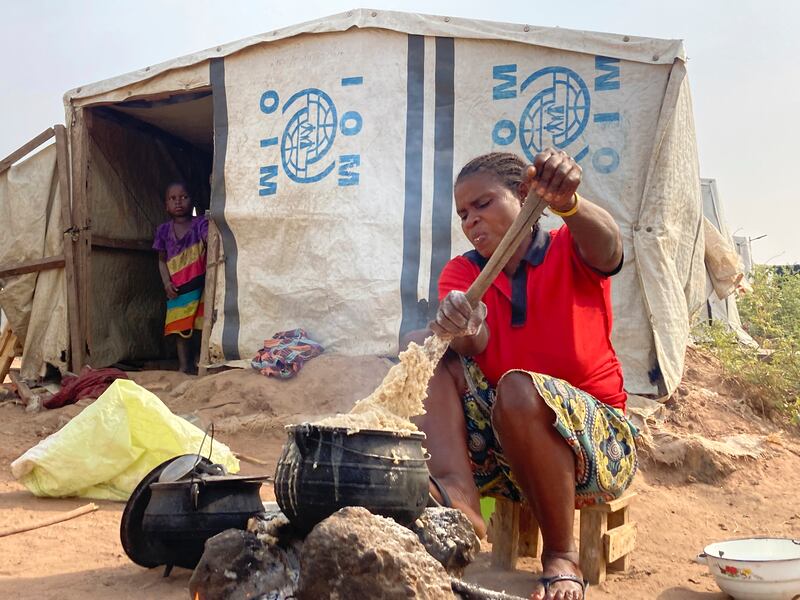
x=181, y=246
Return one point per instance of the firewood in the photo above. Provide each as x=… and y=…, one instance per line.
x=91, y=507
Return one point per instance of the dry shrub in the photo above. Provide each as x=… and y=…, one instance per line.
x=769, y=376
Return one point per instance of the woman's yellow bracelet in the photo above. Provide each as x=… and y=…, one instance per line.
x=571, y=211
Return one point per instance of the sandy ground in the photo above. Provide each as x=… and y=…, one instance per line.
x=681, y=508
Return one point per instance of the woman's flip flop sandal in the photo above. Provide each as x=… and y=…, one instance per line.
x=548, y=581
x=433, y=502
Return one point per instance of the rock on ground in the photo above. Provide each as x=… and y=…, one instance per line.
x=237, y=565
x=273, y=527
x=355, y=554
x=449, y=537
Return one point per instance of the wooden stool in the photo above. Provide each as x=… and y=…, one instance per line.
x=607, y=536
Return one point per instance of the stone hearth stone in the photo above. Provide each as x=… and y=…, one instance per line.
x=354, y=554
x=237, y=565
x=273, y=527
x=449, y=537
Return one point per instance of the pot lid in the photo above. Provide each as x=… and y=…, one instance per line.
x=211, y=480
x=184, y=465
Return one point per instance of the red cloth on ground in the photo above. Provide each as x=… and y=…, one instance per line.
x=89, y=384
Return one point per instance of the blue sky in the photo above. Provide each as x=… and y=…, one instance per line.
x=742, y=68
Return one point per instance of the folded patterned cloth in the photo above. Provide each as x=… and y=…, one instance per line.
x=284, y=354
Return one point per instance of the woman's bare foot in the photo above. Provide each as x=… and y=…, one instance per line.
x=460, y=500
x=478, y=524
x=555, y=564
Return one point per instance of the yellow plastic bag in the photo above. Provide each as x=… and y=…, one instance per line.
x=111, y=445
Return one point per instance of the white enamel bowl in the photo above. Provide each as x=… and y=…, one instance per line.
x=756, y=568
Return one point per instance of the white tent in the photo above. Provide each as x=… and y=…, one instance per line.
x=333, y=146
x=725, y=271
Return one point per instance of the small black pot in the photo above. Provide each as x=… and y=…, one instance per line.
x=142, y=548
x=183, y=514
x=323, y=469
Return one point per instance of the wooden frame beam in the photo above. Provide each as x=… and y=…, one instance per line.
x=32, y=266
x=168, y=101
x=40, y=139
x=99, y=241
x=194, y=93
x=76, y=356
x=81, y=224
x=209, y=293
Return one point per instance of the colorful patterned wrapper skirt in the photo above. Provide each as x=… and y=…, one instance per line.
x=599, y=435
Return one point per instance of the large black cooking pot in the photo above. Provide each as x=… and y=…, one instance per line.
x=323, y=469
x=183, y=514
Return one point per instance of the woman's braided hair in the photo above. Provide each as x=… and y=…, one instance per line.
x=506, y=166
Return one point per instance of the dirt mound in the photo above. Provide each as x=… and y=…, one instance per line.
x=706, y=431
x=245, y=399
x=699, y=459
x=709, y=404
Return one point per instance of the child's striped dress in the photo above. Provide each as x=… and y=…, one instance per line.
x=186, y=262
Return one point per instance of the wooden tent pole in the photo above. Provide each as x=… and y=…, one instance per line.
x=81, y=221
x=209, y=294
x=76, y=359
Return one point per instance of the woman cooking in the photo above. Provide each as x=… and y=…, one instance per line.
x=528, y=402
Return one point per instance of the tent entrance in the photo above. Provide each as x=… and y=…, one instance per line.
x=134, y=150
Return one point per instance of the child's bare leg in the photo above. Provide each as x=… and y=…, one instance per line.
x=184, y=354
x=196, y=349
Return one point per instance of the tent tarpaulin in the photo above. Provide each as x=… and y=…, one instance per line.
x=337, y=202
x=189, y=72
x=34, y=303
x=335, y=147
x=724, y=270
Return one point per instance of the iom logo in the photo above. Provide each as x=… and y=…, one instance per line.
x=308, y=136
x=306, y=146
x=558, y=111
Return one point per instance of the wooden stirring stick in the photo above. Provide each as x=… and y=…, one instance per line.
x=532, y=209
